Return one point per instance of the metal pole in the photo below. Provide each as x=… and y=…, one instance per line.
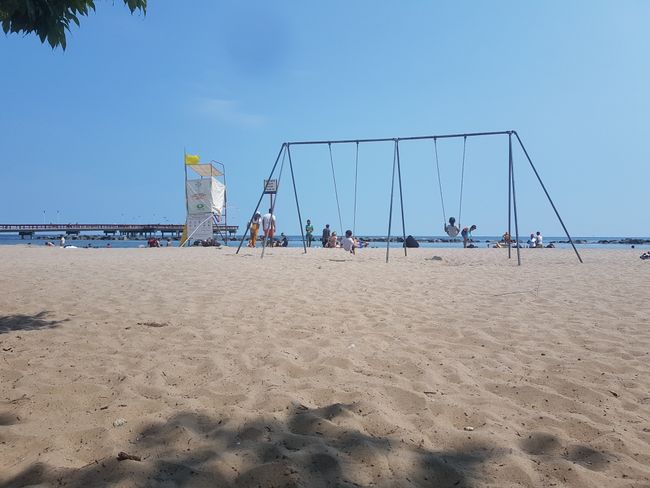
x=295, y=192
x=514, y=201
x=248, y=225
x=187, y=203
x=401, y=200
x=224, y=234
x=548, y=196
x=225, y=204
x=413, y=138
x=356, y=173
x=390, y=212
x=509, y=195
x=336, y=191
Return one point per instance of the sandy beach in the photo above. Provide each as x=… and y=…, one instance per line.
x=324, y=369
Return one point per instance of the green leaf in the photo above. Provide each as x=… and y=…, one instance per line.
x=50, y=19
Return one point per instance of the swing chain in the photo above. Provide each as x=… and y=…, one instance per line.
x=462, y=179
x=336, y=191
x=442, y=200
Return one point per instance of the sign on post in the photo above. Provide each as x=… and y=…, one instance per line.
x=270, y=187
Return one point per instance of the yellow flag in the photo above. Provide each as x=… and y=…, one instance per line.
x=192, y=159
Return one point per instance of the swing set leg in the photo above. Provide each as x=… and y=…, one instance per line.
x=401, y=200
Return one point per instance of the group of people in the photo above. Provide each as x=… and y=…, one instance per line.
x=153, y=242
x=452, y=230
x=349, y=242
x=268, y=224
x=329, y=239
x=535, y=240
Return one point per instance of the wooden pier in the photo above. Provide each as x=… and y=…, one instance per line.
x=126, y=230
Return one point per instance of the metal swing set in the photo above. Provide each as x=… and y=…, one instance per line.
x=285, y=153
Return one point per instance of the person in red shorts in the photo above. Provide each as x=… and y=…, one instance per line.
x=268, y=225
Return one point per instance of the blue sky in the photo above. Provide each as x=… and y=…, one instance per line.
x=96, y=133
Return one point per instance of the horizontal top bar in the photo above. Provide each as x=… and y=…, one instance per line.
x=413, y=138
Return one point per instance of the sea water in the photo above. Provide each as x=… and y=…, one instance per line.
x=99, y=241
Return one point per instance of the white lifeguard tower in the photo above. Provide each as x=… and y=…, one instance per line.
x=205, y=198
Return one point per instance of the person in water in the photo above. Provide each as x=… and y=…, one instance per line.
x=451, y=229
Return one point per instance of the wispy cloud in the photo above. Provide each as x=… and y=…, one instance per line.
x=228, y=112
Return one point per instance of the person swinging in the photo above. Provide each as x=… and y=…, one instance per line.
x=451, y=229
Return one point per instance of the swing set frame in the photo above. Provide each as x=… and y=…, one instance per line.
x=285, y=152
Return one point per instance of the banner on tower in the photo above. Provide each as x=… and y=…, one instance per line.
x=206, y=195
x=199, y=226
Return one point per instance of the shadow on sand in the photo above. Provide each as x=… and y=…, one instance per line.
x=18, y=322
x=319, y=447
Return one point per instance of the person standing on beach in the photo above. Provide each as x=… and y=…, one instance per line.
x=255, y=228
x=540, y=242
x=326, y=235
x=268, y=225
x=467, y=235
x=309, y=232
x=62, y=241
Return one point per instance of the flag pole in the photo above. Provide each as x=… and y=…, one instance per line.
x=187, y=205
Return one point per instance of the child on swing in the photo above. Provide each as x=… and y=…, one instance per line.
x=451, y=229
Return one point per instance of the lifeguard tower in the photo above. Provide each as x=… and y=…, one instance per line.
x=205, y=198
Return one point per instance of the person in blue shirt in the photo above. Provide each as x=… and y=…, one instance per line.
x=467, y=235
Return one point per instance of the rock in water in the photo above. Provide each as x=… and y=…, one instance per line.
x=411, y=242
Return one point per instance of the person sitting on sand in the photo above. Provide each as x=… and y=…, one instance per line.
x=348, y=243
x=332, y=242
x=532, y=241
x=467, y=235
x=284, y=242
x=451, y=229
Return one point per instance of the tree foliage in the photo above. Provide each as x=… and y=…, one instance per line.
x=50, y=19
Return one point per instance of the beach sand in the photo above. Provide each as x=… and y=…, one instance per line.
x=324, y=369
